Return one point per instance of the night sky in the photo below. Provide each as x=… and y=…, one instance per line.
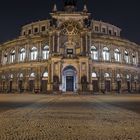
x=122, y=13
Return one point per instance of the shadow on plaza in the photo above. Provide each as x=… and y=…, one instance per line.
x=71, y=105
x=132, y=106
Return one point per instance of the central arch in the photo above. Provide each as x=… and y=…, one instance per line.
x=69, y=79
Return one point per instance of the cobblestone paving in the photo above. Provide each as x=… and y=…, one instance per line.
x=41, y=117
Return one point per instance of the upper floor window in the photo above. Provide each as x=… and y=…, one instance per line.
x=12, y=56
x=29, y=31
x=115, y=33
x=106, y=75
x=34, y=53
x=117, y=55
x=22, y=55
x=43, y=28
x=45, y=52
x=45, y=74
x=94, y=75
x=11, y=76
x=134, y=59
x=36, y=30
x=106, y=54
x=32, y=75
x=103, y=30
x=94, y=53
x=118, y=75
x=21, y=75
x=5, y=58
x=110, y=32
x=128, y=77
x=3, y=77
x=126, y=57
x=96, y=28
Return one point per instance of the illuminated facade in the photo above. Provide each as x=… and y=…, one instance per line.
x=70, y=52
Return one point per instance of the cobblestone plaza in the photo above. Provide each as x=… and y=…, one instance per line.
x=69, y=117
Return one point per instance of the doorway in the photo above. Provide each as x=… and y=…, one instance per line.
x=118, y=86
x=69, y=83
x=20, y=84
x=44, y=86
x=31, y=85
x=107, y=86
x=11, y=86
x=95, y=85
x=128, y=86
x=69, y=79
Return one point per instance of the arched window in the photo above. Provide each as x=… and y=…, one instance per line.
x=126, y=57
x=134, y=59
x=32, y=75
x=127, y=77
x=34, y=53
x=118, y=76
x=3, y=77
x=94, y=53
x=12, y=56
x=5, y=58
x=136, y=77
x=45, y=53
x=21, y=75
x=45, y=74
x=117, y=55
x=106, y=54
x=11, y=76
x=94, y=75
x=106, y=75
x=22, y=55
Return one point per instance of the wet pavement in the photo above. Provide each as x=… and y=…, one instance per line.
x=69, y=117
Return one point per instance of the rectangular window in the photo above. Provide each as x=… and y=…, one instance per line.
x=69, y=51
x=103, y=30
x=110, y=32
x=43, y=28
x=115, y=33
x=96, y=28
x=36, y=30
x=29, y=32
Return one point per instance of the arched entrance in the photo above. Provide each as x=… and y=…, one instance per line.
x=44, y=82
x=32, y=82
x=69, y=79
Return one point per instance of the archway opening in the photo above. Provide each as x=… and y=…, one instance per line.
x=69, y=79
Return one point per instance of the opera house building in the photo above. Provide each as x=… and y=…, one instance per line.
x=70, y=52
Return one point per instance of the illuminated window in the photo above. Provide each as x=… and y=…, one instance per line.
x=106, y=75
x=134, y=59
x=126, y=57
x=34, y=53
x=11, y=76
x=21, y=75
x=94, y=75
x=94, y=53
x=117, y=55
x=106, y=54
x=118, y=76
x=32, y=75
x=45, y=53
x=127, y=77
x=22, y=55
x=12, y=56
x=5, y=58
x=45, y=74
